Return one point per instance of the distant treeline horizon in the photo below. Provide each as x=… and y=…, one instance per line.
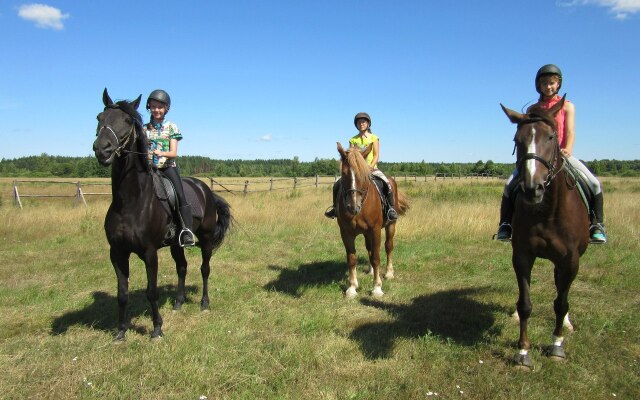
x=45, y=165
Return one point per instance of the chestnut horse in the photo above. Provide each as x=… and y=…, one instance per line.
x=550, y=220
x=137, y=222
x=359, y=211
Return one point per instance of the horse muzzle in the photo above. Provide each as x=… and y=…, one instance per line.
x=532, y=193
x=104, y=152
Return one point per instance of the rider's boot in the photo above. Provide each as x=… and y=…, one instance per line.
x=331, y=211
x=597, y=233
x=504, y=228
x=392, y=214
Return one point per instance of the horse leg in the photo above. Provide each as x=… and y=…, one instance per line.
x=374, y=260
x=177, y=253
x=564, y=274
x=205, y=270
x=369, y=245
x=350, y=248
x=151, y=264
x=522, y=266
x=390, y=231
x=120, y=261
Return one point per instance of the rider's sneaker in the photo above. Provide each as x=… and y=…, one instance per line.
x=330, y=213
x=504, y=232
x=597, y=234
x=186, y=238
x=392, y=214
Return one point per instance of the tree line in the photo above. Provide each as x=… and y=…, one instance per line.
x=46, y=165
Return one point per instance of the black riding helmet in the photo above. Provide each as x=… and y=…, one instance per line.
x=548, y=69
x=161, y=96
x=361, y=115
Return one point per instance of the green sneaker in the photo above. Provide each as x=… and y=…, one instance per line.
x=597, y=234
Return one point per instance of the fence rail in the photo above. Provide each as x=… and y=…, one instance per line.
x=78, y=192
x=233, y=185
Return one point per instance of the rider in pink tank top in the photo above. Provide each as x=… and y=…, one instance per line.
x=560, y=118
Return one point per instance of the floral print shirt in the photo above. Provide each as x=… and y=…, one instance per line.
x=159, y=137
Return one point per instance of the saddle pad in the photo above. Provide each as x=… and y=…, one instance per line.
x=194, y=193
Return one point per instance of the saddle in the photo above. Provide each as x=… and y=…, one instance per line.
x=166, y=193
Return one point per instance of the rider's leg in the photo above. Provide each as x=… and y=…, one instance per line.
x=597, y=232
x=392, y=214
x=506, y=208
x=185, y=238
x=331, y=212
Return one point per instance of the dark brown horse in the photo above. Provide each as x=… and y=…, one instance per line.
x=549, y=221
x=359, y=211
x=137, y=222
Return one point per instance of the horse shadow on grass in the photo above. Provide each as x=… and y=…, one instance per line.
x=448, y=316
x=315, y=274
x=102, y=313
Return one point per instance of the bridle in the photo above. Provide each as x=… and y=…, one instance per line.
x=346, y=192
x=128, y=138
x=552, y=170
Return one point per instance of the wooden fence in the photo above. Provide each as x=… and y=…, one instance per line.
x=232, y=185
x=78, y=193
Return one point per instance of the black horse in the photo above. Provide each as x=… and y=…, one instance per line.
x=137, y=221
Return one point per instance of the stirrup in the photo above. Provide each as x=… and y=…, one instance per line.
x=504, y=232
x=597, y=234
x=189, y=242
x=330, y=213
x=392, y=214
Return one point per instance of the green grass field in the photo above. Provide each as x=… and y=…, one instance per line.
x=279, y=325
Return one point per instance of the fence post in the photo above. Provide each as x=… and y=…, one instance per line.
x=79, y=195
x=246, y=187
x=295, y=182
x=270, y=184
x=211, y=183
x=316, y=181
x=16, y=196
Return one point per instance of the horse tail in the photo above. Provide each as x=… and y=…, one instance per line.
x=224, y=220
x=403, y=203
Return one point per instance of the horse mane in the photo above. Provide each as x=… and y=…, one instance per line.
x=141, y=142
x=359, y=165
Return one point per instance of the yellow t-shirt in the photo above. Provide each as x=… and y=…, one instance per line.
x=362, y=143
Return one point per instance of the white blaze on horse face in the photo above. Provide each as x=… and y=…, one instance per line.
x=354, y=188
x=531, y=164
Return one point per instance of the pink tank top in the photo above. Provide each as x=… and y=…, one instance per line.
x=560, y=117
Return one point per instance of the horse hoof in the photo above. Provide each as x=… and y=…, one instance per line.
x=523, y=361
x=556, y=353
x=350, y=293
x=157, y=334
x=389, y=275
x=377, y=292
x=119, y=337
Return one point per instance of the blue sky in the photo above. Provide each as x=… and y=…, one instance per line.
x=254, y=79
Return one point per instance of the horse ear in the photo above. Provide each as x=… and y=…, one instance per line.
x=514, y=117
x=558, y=106
x=106, y=99
x=366, y=151
x=136, y=102
x=341, y=150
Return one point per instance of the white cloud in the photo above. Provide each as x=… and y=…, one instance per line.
x=43, y=15
x=266, y=138
x=621, y=9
